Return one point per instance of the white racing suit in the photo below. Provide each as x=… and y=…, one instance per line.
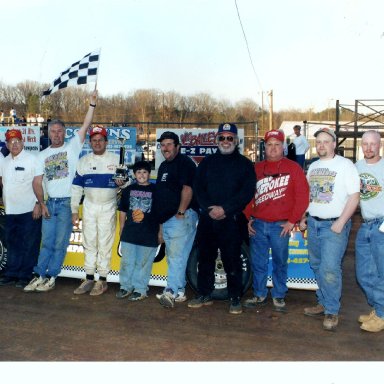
x=94, y=179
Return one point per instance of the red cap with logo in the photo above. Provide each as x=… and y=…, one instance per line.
x=274, y=134
x=12, y=134
x=98, y=129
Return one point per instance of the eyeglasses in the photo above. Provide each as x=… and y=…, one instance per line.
x=14, y=141
x=223, y=138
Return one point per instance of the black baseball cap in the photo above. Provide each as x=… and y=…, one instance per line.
x=169, y=135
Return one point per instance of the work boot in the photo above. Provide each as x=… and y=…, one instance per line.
x=330, y=322
x=364, y=318
x=317, y=310
x=375, y=324
x=255, y=301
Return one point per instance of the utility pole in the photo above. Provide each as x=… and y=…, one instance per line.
x=270, y=94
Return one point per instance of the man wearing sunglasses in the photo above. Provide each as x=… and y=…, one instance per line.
x=224, y=184
x=281, y=198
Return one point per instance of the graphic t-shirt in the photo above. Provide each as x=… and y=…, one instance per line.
x=331, y=183
x=139, y=197
x=371, y=189
x=59, y=166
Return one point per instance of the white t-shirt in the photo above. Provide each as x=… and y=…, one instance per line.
x=301, y=145
x=59, y=166
x=18, y=173
x=371, y=189
x=331, y=183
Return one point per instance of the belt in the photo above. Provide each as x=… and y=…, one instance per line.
x=377, y=220
x=320, y=219
x=58, y=198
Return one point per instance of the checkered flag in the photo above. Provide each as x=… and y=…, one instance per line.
x=81, y=72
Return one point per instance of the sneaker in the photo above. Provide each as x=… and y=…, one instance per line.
x=375, y=324
x=136, y=296
x=46, y=285
x=122, y=293
x=330, y=322
x=167, y=299
x=279, y=304
x=235, y=306
x=180, y=298
x=317, y=310
x=99, y=288
x=365, y=318
x=7, y=281
x=33, y=284
x=255, y=301
x=84, y=287
x=199, y=301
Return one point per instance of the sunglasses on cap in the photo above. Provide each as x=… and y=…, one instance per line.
x=223, y=138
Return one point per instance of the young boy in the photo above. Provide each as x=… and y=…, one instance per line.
x=139, y=230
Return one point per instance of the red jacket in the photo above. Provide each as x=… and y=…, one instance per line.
x=282, y=192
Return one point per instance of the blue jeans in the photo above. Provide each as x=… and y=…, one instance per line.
x=178, y=235
x=136, y=266
x=268, y=237
x=56, y=232
x=300, y=159
x=23, y=235
x=326, y=251
x=370, y=264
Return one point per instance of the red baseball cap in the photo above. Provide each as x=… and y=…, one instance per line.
x=278, y=135
x=98, y=129
x=13, y=133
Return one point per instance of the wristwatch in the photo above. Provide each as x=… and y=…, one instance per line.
x=180, y=213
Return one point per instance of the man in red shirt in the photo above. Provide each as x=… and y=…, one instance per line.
x=281, y=198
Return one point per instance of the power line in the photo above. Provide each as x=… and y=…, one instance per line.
x=249, y=51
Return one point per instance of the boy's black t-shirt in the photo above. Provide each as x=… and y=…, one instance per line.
x=140, y=197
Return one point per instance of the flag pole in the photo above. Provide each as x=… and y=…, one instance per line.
x=98, y=69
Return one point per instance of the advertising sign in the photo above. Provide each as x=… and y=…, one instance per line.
x=31, y=136
x=195, y=142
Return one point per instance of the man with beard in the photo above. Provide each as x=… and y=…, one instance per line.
x=175, y=210
x=369, y=243
x=224, y=184
x=334, y=195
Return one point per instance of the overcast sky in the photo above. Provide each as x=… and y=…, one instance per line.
x=309, y=52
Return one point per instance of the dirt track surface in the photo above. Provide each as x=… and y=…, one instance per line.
x=61, y=326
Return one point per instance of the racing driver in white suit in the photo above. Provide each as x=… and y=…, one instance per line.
x=94, y=179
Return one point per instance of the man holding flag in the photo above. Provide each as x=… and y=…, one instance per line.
x=57, y=166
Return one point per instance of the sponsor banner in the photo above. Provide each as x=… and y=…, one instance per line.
x=74, y=261
x=114, y=134
x=31, y=136
x=300, y=274
x=195, y=142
